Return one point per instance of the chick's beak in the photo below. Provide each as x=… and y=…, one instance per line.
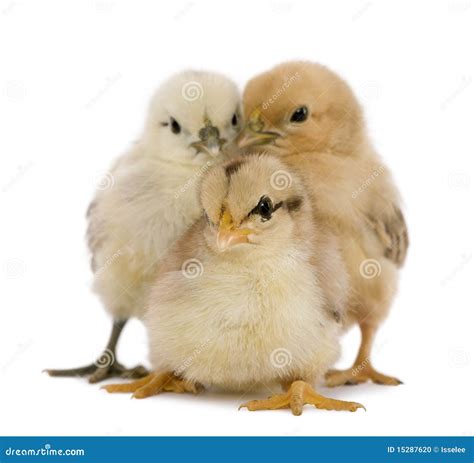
x=254, y=133
x=228, y=235
x=209, y=140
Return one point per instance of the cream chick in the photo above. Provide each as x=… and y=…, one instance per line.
x=152, y=199
x=308, y=116
x=241, y=300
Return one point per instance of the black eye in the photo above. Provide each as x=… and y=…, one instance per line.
x=300, y=114
x=175, y=127
x=235, y=119
x=264, y=208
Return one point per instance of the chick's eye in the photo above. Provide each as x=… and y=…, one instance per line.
x=299, y=115
x=175, y=127
x=235, y=119
x=264, y=208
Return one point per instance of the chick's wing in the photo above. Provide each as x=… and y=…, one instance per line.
x=392, y=231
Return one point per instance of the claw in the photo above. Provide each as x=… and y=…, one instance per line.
x=359, y=374
x=299, y=394
x=154, y=384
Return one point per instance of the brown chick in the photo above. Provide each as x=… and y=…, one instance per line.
x=307, y=115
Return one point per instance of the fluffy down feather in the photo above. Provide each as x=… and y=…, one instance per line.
x=257, y=312
x=153, y=199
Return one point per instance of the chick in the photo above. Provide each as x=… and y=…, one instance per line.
x=308, y=116
x=152, y=199
x=248, y=295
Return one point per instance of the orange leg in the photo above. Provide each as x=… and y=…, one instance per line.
x=362, y=369
x=299, y=394
x=154, y=384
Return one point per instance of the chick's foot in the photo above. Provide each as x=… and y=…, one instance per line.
x=358, y=374
x=154, y=384
x=299, y=394
x=106, y=366
x=101, y=370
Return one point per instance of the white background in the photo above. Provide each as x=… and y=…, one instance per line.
x=75, y=80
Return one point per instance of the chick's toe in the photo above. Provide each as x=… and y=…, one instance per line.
x=299, y=394
x=154, y=384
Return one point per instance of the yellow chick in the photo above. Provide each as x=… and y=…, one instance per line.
x=250, y=295
x=151, y=200
x=309, y=117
